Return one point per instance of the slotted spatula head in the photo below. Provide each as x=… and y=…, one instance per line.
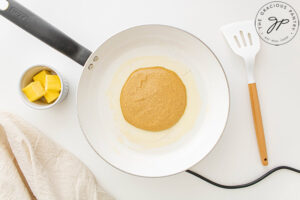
x=242, y=38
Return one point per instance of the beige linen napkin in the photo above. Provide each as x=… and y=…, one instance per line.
x=34, y=167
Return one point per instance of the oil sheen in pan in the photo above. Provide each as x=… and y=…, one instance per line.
x=139, y=139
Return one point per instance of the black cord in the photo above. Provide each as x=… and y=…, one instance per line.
x=246, y=184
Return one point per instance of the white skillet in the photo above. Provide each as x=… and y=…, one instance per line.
x=94, y=112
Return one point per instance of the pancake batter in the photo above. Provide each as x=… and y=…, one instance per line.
x=153, y=98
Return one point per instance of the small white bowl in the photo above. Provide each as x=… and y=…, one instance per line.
x=26, y=78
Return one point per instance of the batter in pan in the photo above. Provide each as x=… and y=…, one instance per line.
x=153, y=98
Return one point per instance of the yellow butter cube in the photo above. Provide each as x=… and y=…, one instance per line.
x=41, y=77
x=34, y=91
x=52, y=83
x=50, y=96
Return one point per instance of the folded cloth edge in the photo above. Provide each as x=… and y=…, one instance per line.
x=46, y=166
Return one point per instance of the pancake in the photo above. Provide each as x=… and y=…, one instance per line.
x=153, y=98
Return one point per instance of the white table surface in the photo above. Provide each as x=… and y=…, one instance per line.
x=235, y=158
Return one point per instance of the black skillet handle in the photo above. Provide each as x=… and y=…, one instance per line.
x=44, y=31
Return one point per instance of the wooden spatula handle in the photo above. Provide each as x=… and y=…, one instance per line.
x=259, y=129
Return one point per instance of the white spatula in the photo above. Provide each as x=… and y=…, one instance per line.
x=244, y=41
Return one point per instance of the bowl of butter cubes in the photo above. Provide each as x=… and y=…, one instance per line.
x=42, y=87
